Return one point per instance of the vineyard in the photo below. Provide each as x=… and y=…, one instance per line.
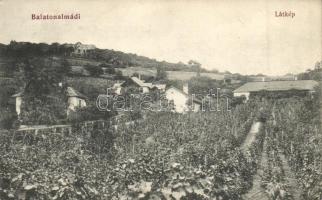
x=194, y=156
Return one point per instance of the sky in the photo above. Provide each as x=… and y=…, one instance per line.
x=241, y=36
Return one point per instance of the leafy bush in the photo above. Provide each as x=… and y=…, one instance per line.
x=42, y=110
x=89, y=113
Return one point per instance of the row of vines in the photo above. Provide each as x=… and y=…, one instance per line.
x=166, y=156
x=294, y=136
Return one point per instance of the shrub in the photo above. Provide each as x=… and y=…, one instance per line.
x=42, y=110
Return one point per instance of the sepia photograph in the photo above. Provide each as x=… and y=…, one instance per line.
x=160, y=100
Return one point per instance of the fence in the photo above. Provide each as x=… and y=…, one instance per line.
x=64, y=129
x=82, y=127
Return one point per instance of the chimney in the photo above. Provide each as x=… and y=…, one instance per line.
x=185, y=88
x=139, y=76
x=295, y=78
x=263, y=79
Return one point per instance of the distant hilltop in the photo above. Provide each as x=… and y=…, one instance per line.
x=79, y=54
x=109, y=57
x=81, y=49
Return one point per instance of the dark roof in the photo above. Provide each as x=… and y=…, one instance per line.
x=277, y=86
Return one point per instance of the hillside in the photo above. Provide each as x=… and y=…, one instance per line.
x=82, y=55
x=80, y=52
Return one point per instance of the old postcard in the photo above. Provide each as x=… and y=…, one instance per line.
x=160, y=100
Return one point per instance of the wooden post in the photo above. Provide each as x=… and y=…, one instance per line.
x=133, y=144
x=206, y=160
x=291, y=147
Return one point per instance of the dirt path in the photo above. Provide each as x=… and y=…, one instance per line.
x=290, y=179
x=251, y=135
x=257, y=192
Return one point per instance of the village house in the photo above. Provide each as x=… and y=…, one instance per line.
x=160, y=87
x=180, y=99
x=18, y=99
x=117, y=88
x=252, y=88
x=74, y=99
x=81, y=49
x=138, y=83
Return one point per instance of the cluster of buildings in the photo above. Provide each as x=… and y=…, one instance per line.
x=180, y=96
x=75, y=99
x=137, y=82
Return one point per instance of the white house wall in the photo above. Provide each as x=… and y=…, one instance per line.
x=118, y=90
x=18, y=105
x=196, y=107
x=239, y=94
x=74, y=102
x=179, y=100
x=145, y=89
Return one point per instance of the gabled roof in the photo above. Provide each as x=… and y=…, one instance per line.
x=159, y=86
x=84, y=46
x=19, y=94
x=277, y=86
x=71, y=92
x=140, y=82
x=116, y=85
x=195, y=99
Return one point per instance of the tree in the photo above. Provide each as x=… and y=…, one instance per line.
x=135, y=74
x=195, y=66
x=214, y=71
x=44, y=101
x=94, y=70
x=119, y=75
x=317, y=66
x=203, y=85
x=161, y=74
x=8, y=114
x=108, y=68
x=89, y=113
x=43, y=109
x=42, y=75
